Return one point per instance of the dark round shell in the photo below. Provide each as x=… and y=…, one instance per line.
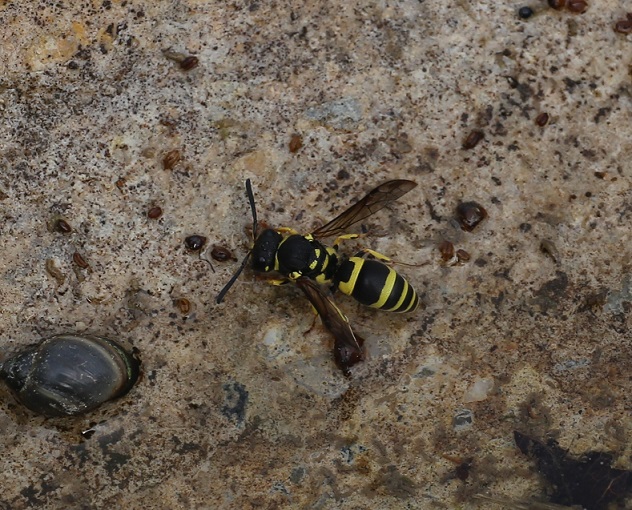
x=67, y=375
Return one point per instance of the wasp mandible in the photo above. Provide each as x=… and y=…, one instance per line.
x=310, y=264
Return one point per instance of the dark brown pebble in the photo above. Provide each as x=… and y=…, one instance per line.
x=221, y=254
x=171, y=159
x=470, y=214
x=473, y=139
x=195, y=243
x=542, y=119
x=154, y=213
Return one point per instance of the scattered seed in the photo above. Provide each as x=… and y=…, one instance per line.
x=61, y=225
x=183, y=305
x=221, y=254
x=186, y=62
x=53, y=270
x=171, y=159
x=624, y=26
x=473, y=139
x=557, y=4
x=195, y=243
x=154, y=213
x=189, y=63
x=470, y=214
x=542, y=119
x=79, y=260
x=296, y=142
x=525, y=12
x=463, y=256
x=446, y=248
x=547, y=246
x=577, y=6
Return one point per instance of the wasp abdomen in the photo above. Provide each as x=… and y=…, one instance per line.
x=375, y=284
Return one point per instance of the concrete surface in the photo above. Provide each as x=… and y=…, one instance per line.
x=238, y=407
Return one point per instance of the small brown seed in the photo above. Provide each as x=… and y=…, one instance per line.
x=221, y=254
x=79, y=260
x=188, y=63
x=577, y=6
x=296, y=142
x=473, y=139
x=154, y=213
x=463, y=256
x=542, y=119
x=557, y=4
x=623, y=26
x=171, y=159
x=470, y=214
x=547, y=246
x=62, y=226
x=183, y=305
x=53, y=270
x=446, y=248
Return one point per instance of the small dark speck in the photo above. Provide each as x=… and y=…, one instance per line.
x=571, y=84
x=513, y=147
x=588, y=194
x=342, y=175
x=497, y=181
x=525, y=227
x=525, y=12
x=513, y=83
x=601, y=113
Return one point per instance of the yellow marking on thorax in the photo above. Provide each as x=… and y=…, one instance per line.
x=347, y=287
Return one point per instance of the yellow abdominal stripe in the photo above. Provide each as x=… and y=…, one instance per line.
x=386, y=291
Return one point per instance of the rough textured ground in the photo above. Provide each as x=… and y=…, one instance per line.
x=238, y=406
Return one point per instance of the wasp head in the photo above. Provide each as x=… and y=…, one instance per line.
x=265, y=249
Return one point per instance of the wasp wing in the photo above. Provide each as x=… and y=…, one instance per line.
x=380, y=197
x=347, y=346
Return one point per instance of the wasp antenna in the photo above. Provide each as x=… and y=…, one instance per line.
x=251, y=199
x=222, y=294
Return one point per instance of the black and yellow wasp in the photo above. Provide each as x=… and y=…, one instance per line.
x=305, y=261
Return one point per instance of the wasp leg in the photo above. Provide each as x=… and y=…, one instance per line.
x=286, y=230
x=271, y=280
x=345, y=237
x=383, y=258
x=366, y=251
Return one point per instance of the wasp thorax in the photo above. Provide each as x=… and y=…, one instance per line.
x=67, y=375
x=264, y=250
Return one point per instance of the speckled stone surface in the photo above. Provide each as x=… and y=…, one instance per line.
x=238, y=406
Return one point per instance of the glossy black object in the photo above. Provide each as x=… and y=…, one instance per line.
x=66, y=375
